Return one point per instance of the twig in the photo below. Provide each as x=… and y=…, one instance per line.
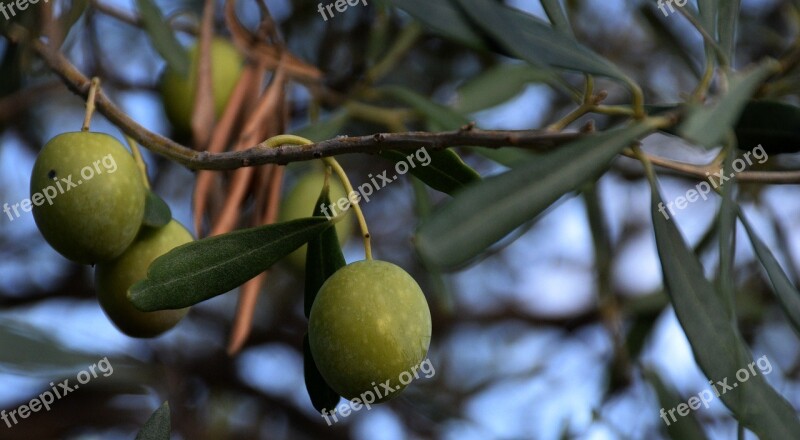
x=373, y=144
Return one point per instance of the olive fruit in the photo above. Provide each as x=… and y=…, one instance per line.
x=113, y=279
x=300, y=201
x=179, y=91
x=369, y=323
x=88, y=196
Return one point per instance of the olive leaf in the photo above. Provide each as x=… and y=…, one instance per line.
x=437, y=117
x=203, y=269
x=787, y=293
x=717, y=344
x=323, y=255
x=503, y=82
x=485, y=212
x=727, y=20
x=558, y=18
x=43, y=355
x=726, y=223
x=157, y=427
x=534, y=40
x=164, y=41
x=687, y=427
x=444, y=18
x=326, y=129
x=446, y=171
x=156, y=211
x=708, y=125
x=322, y=396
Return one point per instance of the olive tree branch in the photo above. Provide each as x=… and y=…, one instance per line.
x=467, y=136
x=257, y=155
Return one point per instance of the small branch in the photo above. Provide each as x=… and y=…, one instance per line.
x=79, y=84
x=257, y=155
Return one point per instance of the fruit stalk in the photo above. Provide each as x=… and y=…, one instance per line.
x=283, y=139
x=87, y=120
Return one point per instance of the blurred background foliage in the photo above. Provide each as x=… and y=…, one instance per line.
x=544, y=337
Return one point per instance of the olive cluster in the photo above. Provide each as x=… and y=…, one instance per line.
x=99, y=222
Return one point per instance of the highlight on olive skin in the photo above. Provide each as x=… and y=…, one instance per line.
x=370, y=322
x=88, y=196
x=114, y=279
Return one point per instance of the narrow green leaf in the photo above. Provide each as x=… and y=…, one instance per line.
x=324, y=130
x=439, y=285
x=688, y=427
x=483, y=213
x=157, y=426
x=771, y=124
x=323, y=397
x=445, y=171
x=156, y=211
x=163, y=39
x=708, y=125
x=534, y=41
x=727, y=19
x=668, y=39
x=708, y=13
x=439, y=117
x=203, y=269
x=509, y=157
x=445, y=19
x=727, y=237
x=640, y=328
x=503, y=82
x=718, y=346
x=43, y=354
x=787, y=293
x=557, y=16
x=323, y=255
x=68, y=19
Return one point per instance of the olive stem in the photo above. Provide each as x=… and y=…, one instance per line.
x=362, y=222
x=87, y=120
x=291, y=139
x=137, y=155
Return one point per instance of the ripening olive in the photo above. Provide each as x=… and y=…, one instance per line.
x=113, y=280
x=179, y=91
x=300, y=201
x=369, y=323
x=87, y=196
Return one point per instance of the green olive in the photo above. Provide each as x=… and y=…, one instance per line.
x=113, y=280
x=369, y=323
x=299, y=203
x=179, y=91
x=88, y=196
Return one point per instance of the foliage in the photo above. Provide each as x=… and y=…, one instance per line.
x=718, y=95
